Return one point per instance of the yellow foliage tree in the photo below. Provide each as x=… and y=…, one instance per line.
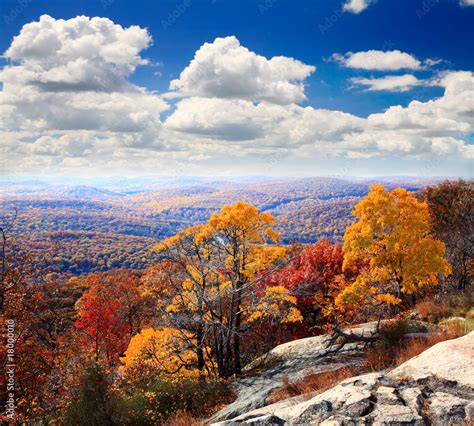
x=241, y=235
x=391, y=240
x=220, y=284
x=275, y=299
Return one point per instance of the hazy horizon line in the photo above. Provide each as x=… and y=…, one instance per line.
x=217, y=176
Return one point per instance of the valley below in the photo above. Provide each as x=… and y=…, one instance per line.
x=79, y=228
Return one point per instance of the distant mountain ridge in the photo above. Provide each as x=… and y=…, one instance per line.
x=82, y=192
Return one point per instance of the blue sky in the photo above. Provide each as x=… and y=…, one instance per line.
x=437, y=34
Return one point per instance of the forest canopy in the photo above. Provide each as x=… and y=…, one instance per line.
x=216, y=295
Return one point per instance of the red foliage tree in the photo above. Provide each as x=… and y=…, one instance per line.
x=110, y=312
x=315, y=276
x=105, y=333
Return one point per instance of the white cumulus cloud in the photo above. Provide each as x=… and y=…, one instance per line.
x=225, y=69
x=391, y=60
x=356, y=6
x=76, y=54
x=390, y=83
x=432, y=128
x=67, y=83
x=271, y=124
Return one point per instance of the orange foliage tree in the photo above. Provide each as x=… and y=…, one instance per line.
x=163, y=352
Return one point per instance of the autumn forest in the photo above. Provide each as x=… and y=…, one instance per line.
x=140, y=308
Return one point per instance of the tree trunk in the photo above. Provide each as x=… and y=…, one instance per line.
x=238, y=319
x=200, y=348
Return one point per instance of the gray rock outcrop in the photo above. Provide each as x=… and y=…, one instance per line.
x=435, y=387
x=290, y=362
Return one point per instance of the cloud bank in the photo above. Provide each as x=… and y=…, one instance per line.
x=68, y=106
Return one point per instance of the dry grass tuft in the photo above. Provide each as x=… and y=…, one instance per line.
x=181, y=418
x=454, y=305
x=311, y=384
x=381, y=357
x=433, y=312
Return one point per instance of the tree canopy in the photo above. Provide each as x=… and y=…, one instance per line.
x=392, y=240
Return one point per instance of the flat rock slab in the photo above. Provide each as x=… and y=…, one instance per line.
x=435, y=387
x=291, y=361
x=451, y=360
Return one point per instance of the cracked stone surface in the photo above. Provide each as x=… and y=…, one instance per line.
x=436, y=387
x=387, y=395
x=448, y=409
x=292, y=361
x=395, y=415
